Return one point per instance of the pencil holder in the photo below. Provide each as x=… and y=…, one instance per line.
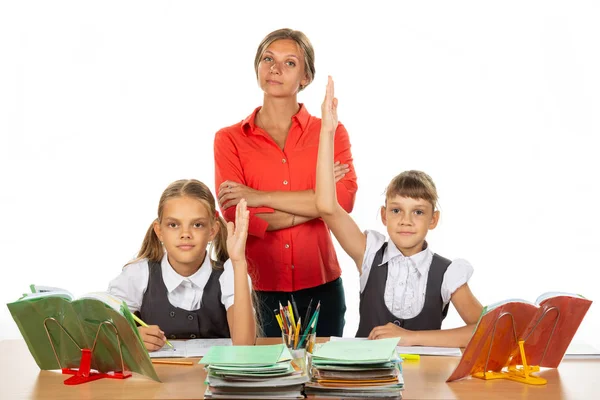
x=299, y=347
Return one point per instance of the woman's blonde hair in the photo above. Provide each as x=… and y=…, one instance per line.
x=152, y=248
x=302, y=41
x=413, y=184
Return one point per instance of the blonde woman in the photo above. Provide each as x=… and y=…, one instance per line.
x=269, y=159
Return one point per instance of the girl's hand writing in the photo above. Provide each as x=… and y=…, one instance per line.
x=238, y=233
x=153, y=338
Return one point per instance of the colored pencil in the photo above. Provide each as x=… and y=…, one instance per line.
x=172, y=362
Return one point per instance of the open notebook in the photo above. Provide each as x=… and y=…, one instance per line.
x=189, y=348
x=421, y=350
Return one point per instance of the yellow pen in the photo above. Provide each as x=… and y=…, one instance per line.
x=411, y=357
x=142, y=323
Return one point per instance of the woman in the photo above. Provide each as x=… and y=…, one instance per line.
x=269, y=159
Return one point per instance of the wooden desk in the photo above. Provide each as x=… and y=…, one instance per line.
x=20, y=378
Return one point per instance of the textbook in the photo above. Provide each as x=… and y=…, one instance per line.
x=56, y=327
x=545, y=327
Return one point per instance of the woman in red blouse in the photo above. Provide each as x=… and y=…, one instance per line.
x=269, y=159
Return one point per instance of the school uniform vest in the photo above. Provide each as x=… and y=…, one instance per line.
x=209, y=321
x=374, y=312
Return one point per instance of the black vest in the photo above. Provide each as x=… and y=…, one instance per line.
x=374, y=312
x=209, y=321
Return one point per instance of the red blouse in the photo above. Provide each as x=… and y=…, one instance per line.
x=293, y=258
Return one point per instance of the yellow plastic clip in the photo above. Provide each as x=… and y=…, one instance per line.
x=514, y=373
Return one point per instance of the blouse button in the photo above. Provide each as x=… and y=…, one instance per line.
x=190, y=317
x=173, y=337
x=192, y=336
x=172, y=314
x=283, y=161
x=287, y=246
x=285, y=182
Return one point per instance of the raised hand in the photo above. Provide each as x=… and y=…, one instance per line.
x=238, y=233
x=329, y=117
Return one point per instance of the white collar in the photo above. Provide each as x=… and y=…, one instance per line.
x=418, y=261
x=172, y=279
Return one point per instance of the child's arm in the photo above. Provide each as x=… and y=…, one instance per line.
x=348, y=234
x=153, y=338
x=468, y=308
x=130, y=286
x=240, y=316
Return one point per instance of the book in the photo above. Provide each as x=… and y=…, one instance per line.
x=546, y=327
x=56, y=326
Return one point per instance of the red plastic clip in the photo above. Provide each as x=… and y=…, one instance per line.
x=84, y=373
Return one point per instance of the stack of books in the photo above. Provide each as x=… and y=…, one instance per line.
x=356, y=370
x=252, y=372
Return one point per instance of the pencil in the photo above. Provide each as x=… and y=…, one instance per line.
x=279, y=321
x=306, y=317
x=142, y=323
x=291, y=314
x=297, y=333
x=295, y=307
x=173, y=362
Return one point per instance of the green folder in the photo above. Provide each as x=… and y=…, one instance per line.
x=246, y=355
x=360, y=351
x=75, y=325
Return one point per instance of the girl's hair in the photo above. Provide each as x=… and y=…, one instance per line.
x=302, y=41
x=413, y=184
x=152, y=248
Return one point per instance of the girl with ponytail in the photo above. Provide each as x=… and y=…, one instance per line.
x=175, y=286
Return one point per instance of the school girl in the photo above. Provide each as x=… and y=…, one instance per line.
x=405, y=287
x=174, y=285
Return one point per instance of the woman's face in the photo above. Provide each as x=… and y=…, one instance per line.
x=281, y=69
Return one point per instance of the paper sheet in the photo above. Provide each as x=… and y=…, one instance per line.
x=189, y=348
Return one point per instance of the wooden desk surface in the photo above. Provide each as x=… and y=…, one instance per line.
x=20, y=378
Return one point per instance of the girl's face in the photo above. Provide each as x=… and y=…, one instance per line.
x=281, y=69
x=408, y=220
x=185, y=230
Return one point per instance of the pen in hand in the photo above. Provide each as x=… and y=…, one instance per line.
x=142, y=323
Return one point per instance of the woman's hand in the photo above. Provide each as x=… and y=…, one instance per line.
x=230, y=194
x=390, y=330
x=329, y=117
x=340, y=170
x=238, y=233
x=153, y=338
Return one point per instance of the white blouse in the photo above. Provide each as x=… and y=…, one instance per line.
x=407, y=276
x=183, y=292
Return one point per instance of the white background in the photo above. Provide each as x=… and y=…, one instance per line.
x=103, y=104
